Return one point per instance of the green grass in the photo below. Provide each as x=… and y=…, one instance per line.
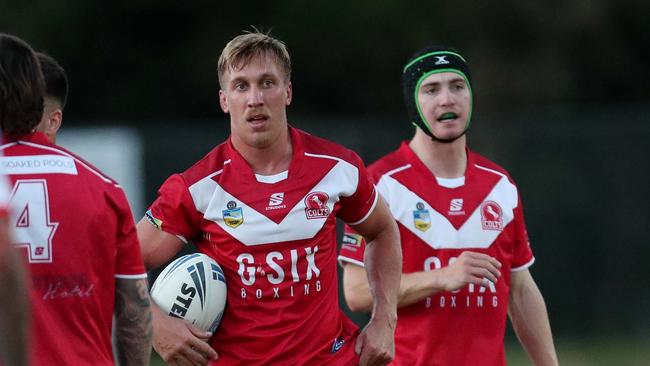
x=591, y=352
x=575, y=352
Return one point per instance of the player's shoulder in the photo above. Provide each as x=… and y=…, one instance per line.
x=210, y=163
x=485, y=164
x=388, y=162
x=315, y=145
x=90, y=168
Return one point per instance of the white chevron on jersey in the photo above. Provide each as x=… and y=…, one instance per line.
x=443, y=235
x=210, y=199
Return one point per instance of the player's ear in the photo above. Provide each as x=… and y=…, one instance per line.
x=54, y=122
x=289, y=93
x=223, y=102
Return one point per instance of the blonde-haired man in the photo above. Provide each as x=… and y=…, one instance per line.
x=264, y=204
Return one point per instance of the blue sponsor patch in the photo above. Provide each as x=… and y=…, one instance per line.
x=337, y=345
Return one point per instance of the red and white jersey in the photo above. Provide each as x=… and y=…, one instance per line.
x=437, y=221
x=5, y=192
x=77, y=234
x=276, y=243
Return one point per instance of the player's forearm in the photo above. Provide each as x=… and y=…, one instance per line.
x=134, y=330
x=417, y=286
x=14, y=320
x=413, y=287
x=530, y=321
x=383, y=262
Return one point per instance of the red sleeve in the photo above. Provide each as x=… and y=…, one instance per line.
x=128, y=261
x=353, y=245
x=357, y=207
x=522, y=256
x=5, y=192
x=174, y=211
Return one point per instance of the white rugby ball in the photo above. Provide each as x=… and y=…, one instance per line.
x=193, y=288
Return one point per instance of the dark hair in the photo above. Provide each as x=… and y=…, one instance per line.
x=21, y=86
x=56, y=81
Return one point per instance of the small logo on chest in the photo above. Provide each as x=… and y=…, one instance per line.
x=491, y=216
x=233, y=216
x=316, y=205
x=456, y=207
x=421, y=218
x=337, y=345
x=275, y=201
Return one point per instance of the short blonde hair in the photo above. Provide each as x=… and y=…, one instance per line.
x=241, y=50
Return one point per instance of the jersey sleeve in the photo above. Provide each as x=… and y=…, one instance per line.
x=128, y=261
x=522, y=256
x=353, y=246
x=5, y=192
x=174, y=211
x=356, y=208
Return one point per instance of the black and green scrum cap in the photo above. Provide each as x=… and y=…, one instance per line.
x=431, y=60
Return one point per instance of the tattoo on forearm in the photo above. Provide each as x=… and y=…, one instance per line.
x=134, y=328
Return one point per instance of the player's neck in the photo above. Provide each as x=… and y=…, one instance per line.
x=444, y=160
x=269, y=160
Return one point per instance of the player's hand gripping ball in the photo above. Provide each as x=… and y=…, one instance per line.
x=193, y=288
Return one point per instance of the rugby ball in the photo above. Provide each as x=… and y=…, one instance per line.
x=193, y=288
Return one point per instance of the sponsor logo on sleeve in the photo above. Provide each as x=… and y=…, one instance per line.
x=421, y=218
x=153, y=220
x=233, y=216
x=352, y=241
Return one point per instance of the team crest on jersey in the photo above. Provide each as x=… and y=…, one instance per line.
x=316, y=205
x=233, y=216
x=421, y=218
x=491, y=216
x=154, y=221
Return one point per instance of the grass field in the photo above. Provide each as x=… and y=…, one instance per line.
x=591, y=352
x=576, y=352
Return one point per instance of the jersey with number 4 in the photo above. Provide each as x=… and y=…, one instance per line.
x=77, y=233
x=276, y=242
x=438, y=220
